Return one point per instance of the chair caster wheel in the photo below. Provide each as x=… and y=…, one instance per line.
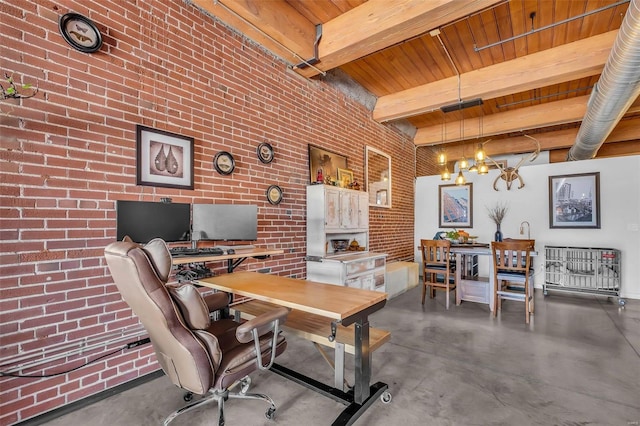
x=188, y=396
x=386, y=397
x=270, y=414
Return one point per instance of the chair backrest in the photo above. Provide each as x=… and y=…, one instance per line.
x=435, y=253
x=141, y=272
x=513, y=256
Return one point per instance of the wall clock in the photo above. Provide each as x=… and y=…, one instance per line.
x=224, y=163
x=80, y=32
x=274, y=194
x=265, y=152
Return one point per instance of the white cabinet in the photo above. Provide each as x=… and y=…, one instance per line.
x=341, y=214
x=335, y=214
x=360, y=270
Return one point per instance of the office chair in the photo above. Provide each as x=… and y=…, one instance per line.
x=511, y=274
x=203, y=357
x=438, y=268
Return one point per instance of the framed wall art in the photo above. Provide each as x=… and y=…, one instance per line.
x=574, y=201
x=456, y=206
x=164, y=159
x=324, y=165
x=345, y=178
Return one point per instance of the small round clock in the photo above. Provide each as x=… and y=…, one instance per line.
x=224, y=163
x=265, y=152
x=274, y=194
x=80, y=32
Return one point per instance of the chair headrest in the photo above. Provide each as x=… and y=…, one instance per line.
x=156, y=250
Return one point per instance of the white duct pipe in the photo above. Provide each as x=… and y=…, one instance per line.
x=617, y=88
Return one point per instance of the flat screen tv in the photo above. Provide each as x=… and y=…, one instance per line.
x=225, y=222
x=146, y=220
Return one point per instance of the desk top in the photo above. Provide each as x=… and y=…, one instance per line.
x=328, y=300
x=240, y=253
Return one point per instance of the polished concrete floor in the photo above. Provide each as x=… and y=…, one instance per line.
x=577, y=363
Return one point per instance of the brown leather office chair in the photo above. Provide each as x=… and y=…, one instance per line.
x=511, y=273
x=438, y=268
x=198, y=355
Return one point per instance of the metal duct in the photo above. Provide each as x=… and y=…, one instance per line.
x=617, y=88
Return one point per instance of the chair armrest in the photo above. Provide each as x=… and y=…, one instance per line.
x=216, y=301
x=262, y=324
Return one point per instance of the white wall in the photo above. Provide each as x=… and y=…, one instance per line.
x=619, y=211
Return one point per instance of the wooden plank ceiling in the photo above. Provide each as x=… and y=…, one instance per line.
x=532, y=62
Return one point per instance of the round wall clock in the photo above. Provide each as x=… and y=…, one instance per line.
x=265, y=152
x=224, y=163
x=80, y=32
x=274, y=194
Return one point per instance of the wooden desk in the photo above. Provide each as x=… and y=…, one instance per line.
x=233, y=260
x=343, y=305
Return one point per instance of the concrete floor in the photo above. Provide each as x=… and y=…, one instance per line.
x=577, y=363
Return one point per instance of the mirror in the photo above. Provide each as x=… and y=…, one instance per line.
x=378, y=177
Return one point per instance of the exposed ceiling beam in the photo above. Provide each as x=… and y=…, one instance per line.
x=571, y=61
x=543, y=115
x=627, y=130
x=375, y=25
x=276, y=18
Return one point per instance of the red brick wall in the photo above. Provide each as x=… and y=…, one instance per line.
x=69, y=152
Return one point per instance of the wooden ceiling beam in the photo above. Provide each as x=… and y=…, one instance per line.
x=275, y=17
x=376, y=25
x=572, y=61
x=626, y=131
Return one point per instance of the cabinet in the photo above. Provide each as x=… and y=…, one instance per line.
x=341, y=214
x=335, y=213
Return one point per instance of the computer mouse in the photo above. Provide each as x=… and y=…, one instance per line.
x=231, y=251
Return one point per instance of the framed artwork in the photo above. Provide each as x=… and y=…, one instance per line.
x=497, y=164
x=164, y=159
x=324, y=165
x=574, y=201
x=345, y=178
x=456, y=206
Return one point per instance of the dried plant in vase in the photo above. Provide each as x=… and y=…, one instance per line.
x=497, y=214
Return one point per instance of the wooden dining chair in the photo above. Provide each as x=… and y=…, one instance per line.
x=438, y=268
x=512, y=274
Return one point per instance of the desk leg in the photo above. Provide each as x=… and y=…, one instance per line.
x=362, y=360
x=338, y=365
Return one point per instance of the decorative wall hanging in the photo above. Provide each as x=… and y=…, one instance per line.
x=265, y=152
x=574, y=201
x=80, y=32
x=324, y=165
x=456, y=206
x=274, y=194
x=164, y=159
x=224, y=163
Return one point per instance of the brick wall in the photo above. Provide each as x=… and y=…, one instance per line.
x=69, y=152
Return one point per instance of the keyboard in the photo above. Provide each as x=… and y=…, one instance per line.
x=200, y=252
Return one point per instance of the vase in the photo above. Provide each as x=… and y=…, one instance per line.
x=498, y=234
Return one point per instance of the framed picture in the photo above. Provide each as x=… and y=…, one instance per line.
x=574, y=201
x=324, y=165
x=164, y=159
x=456, y=206
x=345, y=178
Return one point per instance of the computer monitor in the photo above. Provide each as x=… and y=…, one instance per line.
x=225, y=222
x=143, y=221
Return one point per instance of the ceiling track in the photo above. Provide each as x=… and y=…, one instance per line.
x=555, y=24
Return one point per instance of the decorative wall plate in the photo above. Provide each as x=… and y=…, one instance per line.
x=80, y=32
x=274, y=194
x=265, y=152
x=224, y=163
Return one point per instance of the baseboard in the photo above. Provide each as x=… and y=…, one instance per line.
x=69, y=408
